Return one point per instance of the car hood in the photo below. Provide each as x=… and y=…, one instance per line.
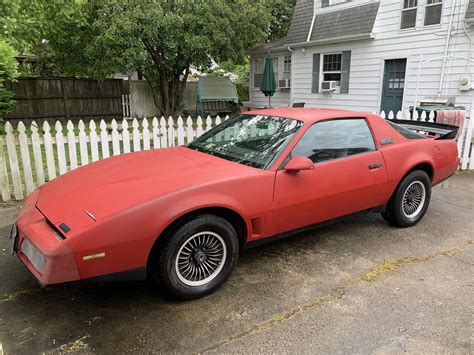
x=100, y=189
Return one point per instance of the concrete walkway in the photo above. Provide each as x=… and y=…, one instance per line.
x=359, y=286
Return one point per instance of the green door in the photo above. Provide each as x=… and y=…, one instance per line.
x=393, y=85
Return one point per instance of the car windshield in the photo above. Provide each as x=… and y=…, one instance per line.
x=253, y=140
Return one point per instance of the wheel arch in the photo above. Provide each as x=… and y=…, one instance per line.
x=425, y=166
x=231, y=216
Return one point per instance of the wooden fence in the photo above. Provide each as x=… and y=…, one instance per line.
x=42, y=98
x=30, y=156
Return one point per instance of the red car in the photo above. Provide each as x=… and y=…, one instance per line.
x=179, y=216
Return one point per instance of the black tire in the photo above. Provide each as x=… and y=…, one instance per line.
x=166, y=272
x=406, y=214
x=386, y=216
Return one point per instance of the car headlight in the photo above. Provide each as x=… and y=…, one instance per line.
x=34, y=255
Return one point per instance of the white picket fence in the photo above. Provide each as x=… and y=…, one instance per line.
x=30, y=156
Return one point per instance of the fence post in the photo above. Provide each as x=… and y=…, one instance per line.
x=136, y=136
x=156, y=133
x=37, y=154
x=467, y=143
x=83, y=144
x=125, y=136
x=471, y=162
x=4, y=185
x=145, y=134
x=71, y=143
x=104, y=140
x=171, y=134
x=94, y=141
x=115, y=138
x=189, y=130
x=164, y=133
x=180, y=131
x=48, y=148
x=60, y=148
x=12, y=156
x=25, y=158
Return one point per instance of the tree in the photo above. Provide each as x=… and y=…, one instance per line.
x=8, y=71
x=161, y=39
x=281, y=15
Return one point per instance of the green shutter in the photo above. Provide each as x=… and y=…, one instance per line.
x=324, y=3
x=346, y=70
x=316, y=66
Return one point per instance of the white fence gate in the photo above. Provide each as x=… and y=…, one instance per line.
x=30, y=156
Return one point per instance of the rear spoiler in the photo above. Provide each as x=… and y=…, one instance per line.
x=431, y=129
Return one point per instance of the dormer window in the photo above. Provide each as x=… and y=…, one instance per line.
x=409, y=14
x=325, y=3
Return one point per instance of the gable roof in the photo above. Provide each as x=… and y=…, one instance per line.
x=357, y=20
x=470, y=11
x=344, y=24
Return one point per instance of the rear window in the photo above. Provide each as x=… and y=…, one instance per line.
x=405, y=132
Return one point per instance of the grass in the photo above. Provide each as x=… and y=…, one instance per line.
x=381, y=268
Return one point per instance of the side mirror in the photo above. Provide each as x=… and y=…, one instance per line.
x=299, y=163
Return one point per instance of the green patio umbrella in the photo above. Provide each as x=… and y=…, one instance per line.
x=268, y=85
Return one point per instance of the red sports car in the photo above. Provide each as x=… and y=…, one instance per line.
x=179, y=216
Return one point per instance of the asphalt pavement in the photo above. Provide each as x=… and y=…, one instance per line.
x=359, y=286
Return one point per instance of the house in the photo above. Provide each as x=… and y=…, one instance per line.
x=372, y=55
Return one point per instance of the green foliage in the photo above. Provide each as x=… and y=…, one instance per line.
x=281, y=14
x=8, y=71
x=162, y=39
x=28, y=26
x=159, y=39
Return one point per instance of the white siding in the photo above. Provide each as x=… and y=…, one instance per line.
x=281, y=97
x=367, y=62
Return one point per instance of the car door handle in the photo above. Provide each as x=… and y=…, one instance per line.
x=375, y=166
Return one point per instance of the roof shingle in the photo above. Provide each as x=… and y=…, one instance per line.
x=301, y=23
x=470, y=10
x=346, y=22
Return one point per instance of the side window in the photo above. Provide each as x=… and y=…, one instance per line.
x=335, y=139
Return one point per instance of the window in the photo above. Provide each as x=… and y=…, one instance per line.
x=405, y=132
x=433, y=12
x=332, y=67
x=252, y=140
x=335, y=139
x=257, y=72
x=325, y=3
x=409, y=14
x=258, y=67
x=287, y=64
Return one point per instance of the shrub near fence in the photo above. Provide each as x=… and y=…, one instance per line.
x=30, y=156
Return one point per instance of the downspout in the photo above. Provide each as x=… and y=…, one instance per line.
x=291, y=73
x=311, y=27
x=446, y=47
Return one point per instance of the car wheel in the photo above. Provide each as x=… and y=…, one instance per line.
x=197, y=257
x=410, y=200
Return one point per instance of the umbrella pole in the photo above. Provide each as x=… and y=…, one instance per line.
x=269, y=101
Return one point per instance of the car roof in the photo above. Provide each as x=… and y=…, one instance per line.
x=308, y=115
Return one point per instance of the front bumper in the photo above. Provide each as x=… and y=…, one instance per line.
x=52, y=260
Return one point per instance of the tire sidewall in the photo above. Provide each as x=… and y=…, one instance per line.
x=396, y=210
x=169, y=277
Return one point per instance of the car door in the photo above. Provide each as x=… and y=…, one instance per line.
x=349, y=175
